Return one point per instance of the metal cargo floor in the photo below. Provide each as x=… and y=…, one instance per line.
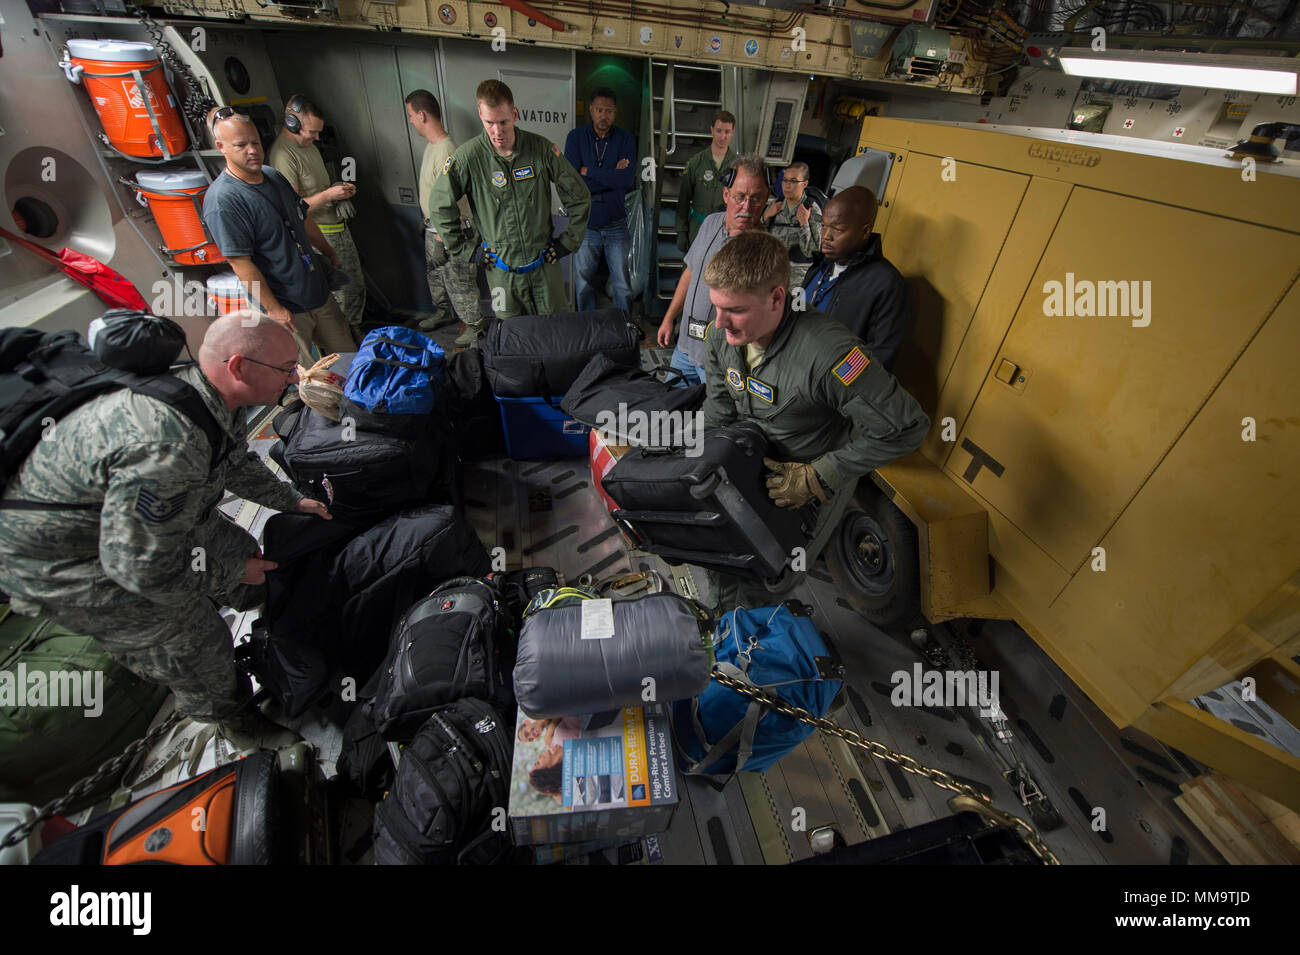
x=547, y=513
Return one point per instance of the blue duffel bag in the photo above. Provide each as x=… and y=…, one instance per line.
x=770, y=648
x=396, y=371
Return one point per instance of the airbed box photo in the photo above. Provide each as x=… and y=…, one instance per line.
x=581, y=778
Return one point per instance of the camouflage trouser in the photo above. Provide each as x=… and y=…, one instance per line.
x=540, y=292
x=452, y=283
x=352, y=297
x=326, y=328
x=185, y=647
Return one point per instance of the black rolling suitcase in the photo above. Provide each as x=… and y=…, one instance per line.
x=540, y=356
x=362, y=475
x=711, y=510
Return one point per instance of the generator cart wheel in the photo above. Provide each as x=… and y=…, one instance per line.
x=872, y=558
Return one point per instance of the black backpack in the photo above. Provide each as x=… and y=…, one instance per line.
x=452, y=785
x=454, y=643
x=43, y=377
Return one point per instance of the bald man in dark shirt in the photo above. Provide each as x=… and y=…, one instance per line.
x=852, y=281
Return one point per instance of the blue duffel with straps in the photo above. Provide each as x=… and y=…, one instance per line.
x=776, y=651
x=396, y=371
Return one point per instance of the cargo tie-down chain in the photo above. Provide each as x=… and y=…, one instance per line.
x=981, y=803
x=113, y=768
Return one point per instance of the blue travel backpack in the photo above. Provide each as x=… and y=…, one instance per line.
x=396, y=371
x=782, y=653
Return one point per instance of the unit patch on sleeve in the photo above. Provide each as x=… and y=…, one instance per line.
x=760, y=389
x=159, y=510
x=735, y=380
x=446, y=167
x=555, y=148
x=847, y=371
x=523, y=172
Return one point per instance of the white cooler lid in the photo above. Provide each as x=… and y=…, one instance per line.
x=224, y=282
x=171, y=179
x=115, y=51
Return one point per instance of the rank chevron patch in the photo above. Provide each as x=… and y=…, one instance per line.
x=159, y=510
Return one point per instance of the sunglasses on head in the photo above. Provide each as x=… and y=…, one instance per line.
x=224, y=113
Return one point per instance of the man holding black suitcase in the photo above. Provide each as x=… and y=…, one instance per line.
x=830, y=412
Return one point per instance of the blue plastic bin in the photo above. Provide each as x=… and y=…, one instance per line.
x=535, y=430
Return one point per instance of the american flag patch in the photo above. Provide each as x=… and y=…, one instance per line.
x=847, y=371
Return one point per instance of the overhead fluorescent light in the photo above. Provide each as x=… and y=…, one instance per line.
x=1244, y=74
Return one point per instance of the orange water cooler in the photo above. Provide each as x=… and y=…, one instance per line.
x=226, y=294
x=127, y=86
x=175, y=197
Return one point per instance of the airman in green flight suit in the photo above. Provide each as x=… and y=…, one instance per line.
x=701, y=189
x=507, y=174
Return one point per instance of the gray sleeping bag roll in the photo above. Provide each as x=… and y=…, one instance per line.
x=558, y=673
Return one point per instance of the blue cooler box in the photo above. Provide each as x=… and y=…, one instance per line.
x=534, y=429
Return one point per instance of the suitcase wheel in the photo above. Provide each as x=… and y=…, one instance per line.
x=706, y=487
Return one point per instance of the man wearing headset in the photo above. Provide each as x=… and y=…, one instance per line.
x=745, y=192
x=294, y=154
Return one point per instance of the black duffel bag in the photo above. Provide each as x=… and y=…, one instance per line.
x=362, y=475
x=711, y=510
x=450, y=781
x=471, y=411
x=540, y=356
x=605, y=388
x=338, y=591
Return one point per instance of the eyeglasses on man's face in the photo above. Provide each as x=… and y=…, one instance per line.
x=276, y=368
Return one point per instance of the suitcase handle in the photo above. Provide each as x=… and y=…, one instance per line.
x=688, y=519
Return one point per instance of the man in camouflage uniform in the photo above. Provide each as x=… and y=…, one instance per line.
x=507, y=174
x=295, y=156
x=829, y=411
x=146, y=569
x=700, y=194
x=453, y=282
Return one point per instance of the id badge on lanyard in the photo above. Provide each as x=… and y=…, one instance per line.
x=696, y=329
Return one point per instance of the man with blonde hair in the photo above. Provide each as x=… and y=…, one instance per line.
x=507, y=174
x=131, y=548
x=830, y=413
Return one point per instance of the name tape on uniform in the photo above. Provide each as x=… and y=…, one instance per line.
x=760, y=389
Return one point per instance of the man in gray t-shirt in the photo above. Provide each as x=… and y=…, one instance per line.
x=263, y=229
x=745, y=198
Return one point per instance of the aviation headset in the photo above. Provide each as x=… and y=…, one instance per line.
x=728, y=179
x=293, y=112
x=812, y=196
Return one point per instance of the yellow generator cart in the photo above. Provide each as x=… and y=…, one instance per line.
x=1106, y=337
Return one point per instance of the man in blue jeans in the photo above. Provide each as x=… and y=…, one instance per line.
x=605, y=157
